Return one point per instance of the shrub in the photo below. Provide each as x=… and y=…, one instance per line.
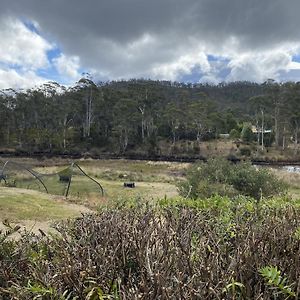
x=254, y=182
x=234, y=134
x=247, y=134
x=158, y=253
x=204, y=189
x=219, y=176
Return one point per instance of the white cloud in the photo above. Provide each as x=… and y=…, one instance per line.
x=22, y=53
x=67, y=66
x=294, y=65
x=181, y=66
x=12, y=79
x=21, y=47
x=260, y=66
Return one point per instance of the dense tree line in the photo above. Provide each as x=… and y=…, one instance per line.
x=120, y=115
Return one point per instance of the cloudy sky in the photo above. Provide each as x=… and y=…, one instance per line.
x=183, y=40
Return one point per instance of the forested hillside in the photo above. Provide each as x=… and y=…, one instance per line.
x=138, y=115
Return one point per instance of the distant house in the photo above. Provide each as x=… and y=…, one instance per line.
x=258, y=130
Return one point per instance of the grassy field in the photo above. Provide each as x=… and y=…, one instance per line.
x=18, y=204
x=153, y=180
x=28, y=204
x=34, y=210
x=292, y=180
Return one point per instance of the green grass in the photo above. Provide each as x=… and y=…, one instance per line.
x=149, y=190
x=133, y=170
x=291, y=179
x=82, y=188
x=19, y=204
x=153, y=180
x=294, y=192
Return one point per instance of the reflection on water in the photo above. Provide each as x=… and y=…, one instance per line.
x=291, y=169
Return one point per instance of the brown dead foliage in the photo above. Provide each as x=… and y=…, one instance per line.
x=170, y=253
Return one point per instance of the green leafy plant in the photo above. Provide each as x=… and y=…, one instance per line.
x=297, y=233
x=234, y=288
x=279, y=283
x=40, y=291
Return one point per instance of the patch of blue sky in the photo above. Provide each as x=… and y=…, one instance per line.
x=211, y=57
x=49, y=73
x=224, y=72
x=216, y=58
x=7, y=66
x=220, y=73
x=296, y=58
x=193, y=76
x=53, y=53
x=31, y=26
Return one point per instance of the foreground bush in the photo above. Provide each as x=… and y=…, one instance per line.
x=219, y=250
x=221, y=177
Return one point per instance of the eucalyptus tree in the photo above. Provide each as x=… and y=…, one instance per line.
x=6, y=116
x=201, y=117
x=125, y=118
x=260, y=104
x=293, y=113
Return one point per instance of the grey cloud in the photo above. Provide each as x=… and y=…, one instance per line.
x=102, y=32
x=256, y=23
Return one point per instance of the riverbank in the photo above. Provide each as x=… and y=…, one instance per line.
x=183, y=151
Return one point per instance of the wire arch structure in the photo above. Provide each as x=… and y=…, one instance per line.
x=11, y=171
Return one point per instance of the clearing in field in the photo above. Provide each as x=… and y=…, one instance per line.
x=91, y=180
x=23, y=198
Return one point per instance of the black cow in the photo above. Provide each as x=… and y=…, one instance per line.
x=129, y=185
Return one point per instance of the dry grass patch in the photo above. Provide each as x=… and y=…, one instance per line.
x=290, y=178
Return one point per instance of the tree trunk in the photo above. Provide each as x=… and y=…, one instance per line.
x=258, y=134
x=262, y=129
x=142, y=110
x=296, y=140
x=88, y=115
x=276, y=128
x=283, y=138
x=65, y=132
x=124, y=137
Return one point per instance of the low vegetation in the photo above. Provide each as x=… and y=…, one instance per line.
x=233, y=234
x=219, y=176
x=216, y=249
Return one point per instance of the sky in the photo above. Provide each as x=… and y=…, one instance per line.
x=180, y=40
